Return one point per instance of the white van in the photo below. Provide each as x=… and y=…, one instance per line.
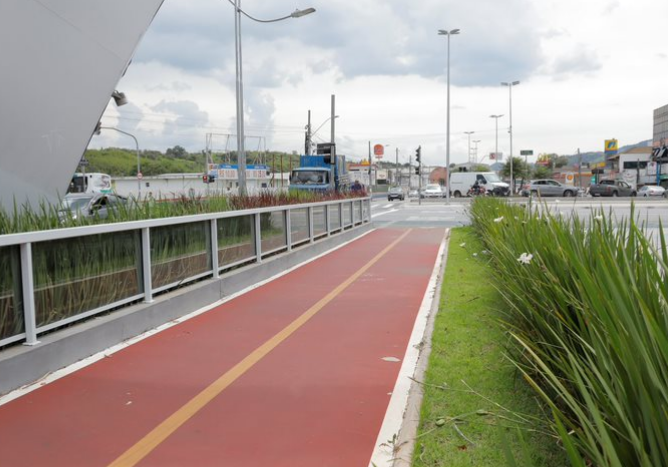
x=90, y=183
x=461, y=183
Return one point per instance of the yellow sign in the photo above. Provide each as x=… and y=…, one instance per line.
x=610, y=145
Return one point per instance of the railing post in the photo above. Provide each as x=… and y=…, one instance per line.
x=258, y=238
x=310, y=224
x=341, y=216
x=214, y=248
x=27, y=284
x=327, y=223
x=288, y=229
x=146, y=264
x=352, y=214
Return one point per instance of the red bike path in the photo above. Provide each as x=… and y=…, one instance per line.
x=221, y=389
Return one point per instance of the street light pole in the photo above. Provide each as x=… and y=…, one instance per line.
x=241, y=151
x=396, y=166
x=138, y=158
x=469, y=133
x=510, y=130
x=496, y=120
x=443, y=32
x=475, y=151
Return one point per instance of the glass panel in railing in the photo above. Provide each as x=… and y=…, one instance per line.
x=365, y=210
x=299, y=225
x=11, y=309
x=346, y=213
x=76, y=275
x=272, y=231
x=236, y=242
x=179, y=252
x=356, y=212
x=334, y=216
x=319, y=224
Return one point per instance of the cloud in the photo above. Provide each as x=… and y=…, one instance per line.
x=175, y=86
x=611, y=7
x=581, y=60
x=259, y=116
x=362, y=38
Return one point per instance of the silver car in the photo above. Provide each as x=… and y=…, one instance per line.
x=549, y=187
x=83, y=205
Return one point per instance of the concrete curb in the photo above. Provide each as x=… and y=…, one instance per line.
x=405, y=444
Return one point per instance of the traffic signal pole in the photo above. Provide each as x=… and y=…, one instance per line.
x=418, y=170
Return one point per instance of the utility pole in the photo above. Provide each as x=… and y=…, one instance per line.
x=369, y=166
x=307, y=142
x=333, y=118
x=579, y=169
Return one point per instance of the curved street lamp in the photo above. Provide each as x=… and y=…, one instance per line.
x=97, y=131
x=452, y=32
x=241, y=152
x=323, y=124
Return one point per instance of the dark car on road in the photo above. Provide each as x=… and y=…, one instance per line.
x=549, y=187
x=396, y=192
x=612, y=188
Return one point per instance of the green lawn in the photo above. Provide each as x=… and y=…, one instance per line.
x=477, y=411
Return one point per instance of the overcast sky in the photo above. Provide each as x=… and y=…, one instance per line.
x=589, y=71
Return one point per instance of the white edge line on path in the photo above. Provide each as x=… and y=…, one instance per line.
x=56, y=375
x=383, y=213
x=383, y=451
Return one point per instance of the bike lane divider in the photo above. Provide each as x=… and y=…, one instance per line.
x=95, y=414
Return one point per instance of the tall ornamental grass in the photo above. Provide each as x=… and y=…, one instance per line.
x=45, y=216
x=587, y=312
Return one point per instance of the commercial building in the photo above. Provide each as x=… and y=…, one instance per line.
x=660, y=127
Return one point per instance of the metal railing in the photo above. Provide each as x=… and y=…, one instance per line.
x=49, y=279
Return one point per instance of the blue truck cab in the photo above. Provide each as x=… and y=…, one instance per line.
x=320, y=173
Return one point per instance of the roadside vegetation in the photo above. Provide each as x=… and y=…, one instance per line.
x=48, y=216
x=477, y=411
x=586, y=320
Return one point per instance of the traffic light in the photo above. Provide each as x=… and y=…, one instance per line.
x=208, y=178
x=418, y=153
x=417, y=170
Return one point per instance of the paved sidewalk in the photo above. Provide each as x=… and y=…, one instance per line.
x=295, y=373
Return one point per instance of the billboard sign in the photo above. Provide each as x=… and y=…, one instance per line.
x=611, y=147
x=379, y=150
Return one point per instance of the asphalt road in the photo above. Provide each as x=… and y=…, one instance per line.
x=436, y=213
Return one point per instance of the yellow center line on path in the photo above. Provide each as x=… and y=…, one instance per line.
x=161, y=432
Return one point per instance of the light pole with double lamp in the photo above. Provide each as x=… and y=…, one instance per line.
x=452, y=32
x=510, y=129
x=475, y=150
x=469, y=133
x=496, y=120
x=241, y=152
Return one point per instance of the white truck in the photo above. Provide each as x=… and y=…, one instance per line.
x=90, y=183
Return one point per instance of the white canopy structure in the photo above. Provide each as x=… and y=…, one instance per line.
x=61, y=61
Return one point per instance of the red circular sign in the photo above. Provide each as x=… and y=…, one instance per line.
x=378, y=150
